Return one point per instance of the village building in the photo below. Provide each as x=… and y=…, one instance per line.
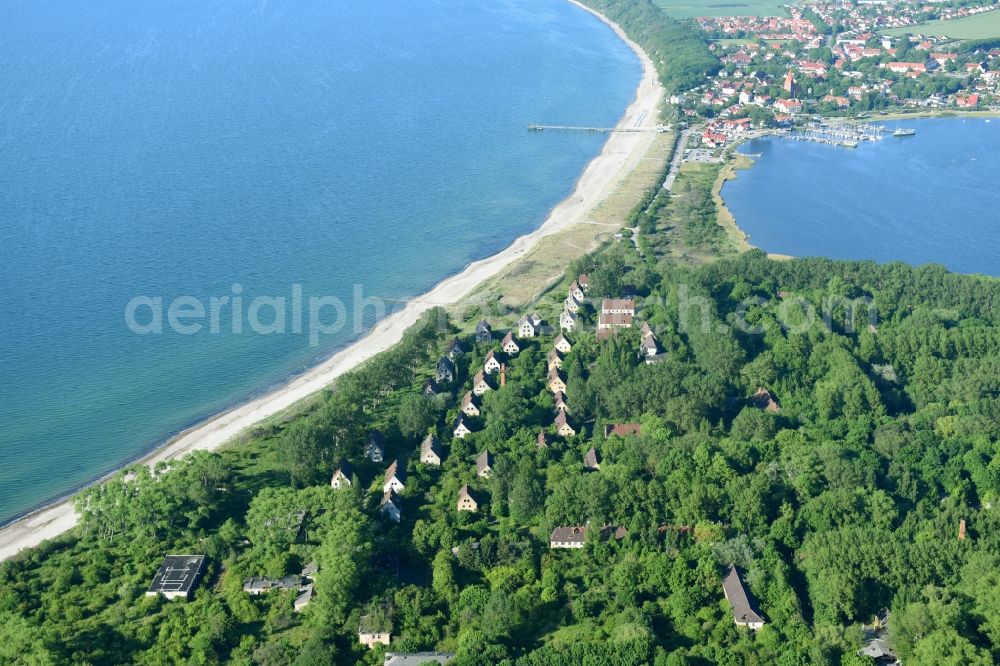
x=562, y=425
x=465, y=501
x=374, y=631
x=305, y=596
x=572, y=536
x=445, y=370
x=609, y=321
x=469, y=406
x=480, y=385
x=430, y=451
x=430, y=388
x=454, y=349
x=618, y=306
x=529, y=326
x=542, y=441
x=509, y=345
x=592, y=460
x=555, y=360
x=417, y=658
x=342, y=477
x=744, y=614
x=461, y=430
x=491, y=364
x=556, y=383
x=375, y=446
x=256, y=586
x=391, y=505
x=395, y=478
x=567, y=321
x=484, y=333
x=484, y=464
x=571, y=304
x=561, y=344
x=622, y=429
x=576, y=291
x=764, y=399
x=177, y=576
x=560, y=399
x=648, y=346
x=584, y=281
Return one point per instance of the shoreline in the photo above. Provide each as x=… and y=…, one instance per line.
x=620, y=155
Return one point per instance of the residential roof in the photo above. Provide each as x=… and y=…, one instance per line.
x=591, y=458
x=467, y=399
x=561, y=419
x=622, y=429
x=344, y=467
x=375, y=437
x=618, y=304
x=484, y=461
x=561, y=338
x=261, y=584
x=430, y=445
x=542, y=441
x=621, y=320
x=507, y=339
x=764, y=399
x=445, y=364
x=417, y=658
x=390, y=497
x=570, y=534
x=732, y=587
x=177, y=575
x=397, y=471
x=483, y=325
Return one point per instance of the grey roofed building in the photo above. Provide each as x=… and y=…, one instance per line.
x=744, y=614
x=417, y=658
x=310, y=570
x=257, y=585
x=879, y=650
x=570, y=536
x=391, y=505
x=484, y=463
x=591, y=459
x=177, y=576
x=303, y=599
x=430, y=450
x=395, y=477
x=483, y=331
x=375, y=446
x=445, y=370
x=343, y=476
x=454, y=349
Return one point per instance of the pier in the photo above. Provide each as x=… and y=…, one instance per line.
x=659, y=129
x=841, y=135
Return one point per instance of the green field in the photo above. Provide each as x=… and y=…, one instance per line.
x=983, y=26
x=693, y=8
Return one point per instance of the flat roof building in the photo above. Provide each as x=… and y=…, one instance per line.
x=177, y=576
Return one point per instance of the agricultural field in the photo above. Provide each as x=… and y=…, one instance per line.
x=982, y=26
x=693, y=8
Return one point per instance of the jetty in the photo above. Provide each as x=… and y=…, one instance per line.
x=659, y=129
x=841, y=135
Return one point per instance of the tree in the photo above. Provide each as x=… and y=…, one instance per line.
x=415, y=415
x=21, y=644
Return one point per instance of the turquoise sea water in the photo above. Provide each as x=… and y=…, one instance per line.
x=171, y=148
x=931, y=197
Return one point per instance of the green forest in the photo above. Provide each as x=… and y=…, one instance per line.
x=842, y=499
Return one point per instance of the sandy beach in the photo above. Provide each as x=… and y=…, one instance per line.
x=620, y=155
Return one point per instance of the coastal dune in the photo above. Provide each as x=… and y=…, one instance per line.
x=621, y=154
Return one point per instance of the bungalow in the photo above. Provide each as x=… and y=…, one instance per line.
x=584, y=281
x=484, y=464
x=430, y=451
x=395, y=478
x=483, y=331
x=592, y=460
x=454, y=349
x=622, y=429
x=391, y=506
x=571, y=304
x=445, y=370
x=469, y=406
x=744, y=614
x=375, y=446
x=508, y=345
x=256, y=586
x=561, y=405
x=764, y=399
x=465, y=501
x=555, y=360
x=556, y=382
x=567, y=321
x=576, y=291
x=618, y=306
x=562, y=344
x=528, y=325
x=572, y=536
x=461, y=430
x=562, y=425
x=491, y=364
x=479, y=384
x=542, y=442
x=342, y=476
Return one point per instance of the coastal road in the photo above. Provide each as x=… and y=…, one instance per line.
x=675, y=163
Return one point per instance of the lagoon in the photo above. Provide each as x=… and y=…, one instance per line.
x=927, y=198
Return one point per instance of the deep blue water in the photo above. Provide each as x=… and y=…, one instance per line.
x=932, y=197
x=177, y=147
